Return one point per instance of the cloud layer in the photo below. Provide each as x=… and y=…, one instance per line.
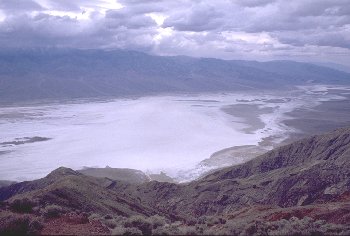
x=309, y=30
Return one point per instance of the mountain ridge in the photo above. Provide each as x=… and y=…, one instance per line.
x=71, y=73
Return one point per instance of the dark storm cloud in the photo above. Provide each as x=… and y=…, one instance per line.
x=332, y=38
x=260, y=29
x=62, y=31
x=25, y=31
x=128, y=19
x=202, y=17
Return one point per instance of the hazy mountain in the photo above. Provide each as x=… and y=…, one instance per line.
x=303, y=187
x=70, y=73
x=333, y=66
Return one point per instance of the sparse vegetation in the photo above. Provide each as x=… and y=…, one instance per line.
x=20, y=225
x=125, y=231
x=52, y=211
x=22, y=205
x=14, y=225
x=94, y=216
x=35, y=226
x=157, y=221
x=141, y=223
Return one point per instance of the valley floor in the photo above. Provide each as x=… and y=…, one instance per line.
x=179, y=135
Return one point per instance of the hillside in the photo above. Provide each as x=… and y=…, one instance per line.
x=66, y=73
x=125, y=175
x=303, y=187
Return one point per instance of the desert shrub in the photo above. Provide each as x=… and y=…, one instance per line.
x=35, y=226
x=22, y=205
x=257, y=227
x=82, y=218
x=139, y=222
x=233, y=227
x=126, y=231
x=168, y=229
x=188, y=230
x=77, y=211
x=191, y=221
x=108, y=217
x=52, y=211
x=157, y=221
x=306, y=226
x=94, y=216
x=85, y=217
x=176, y=229
x=210, y=220
x=2, y=204
x=293, y=226
x=14, y=225
x=110, y=223
x=201, y=228
x=201, y=220
x=222, y=221
x=214, y=231
x=145, y=225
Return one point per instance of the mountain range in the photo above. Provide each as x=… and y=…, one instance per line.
x=35, y=74
x=300, y=188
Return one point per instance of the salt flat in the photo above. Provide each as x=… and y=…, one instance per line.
x=171, y=133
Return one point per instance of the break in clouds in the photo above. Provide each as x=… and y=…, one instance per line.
x=307, y=30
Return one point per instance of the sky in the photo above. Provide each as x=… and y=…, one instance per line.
x=302, y=30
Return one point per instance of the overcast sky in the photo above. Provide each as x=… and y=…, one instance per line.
x=306, y=30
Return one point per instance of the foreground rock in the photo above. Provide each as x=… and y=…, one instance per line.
x=303, y=187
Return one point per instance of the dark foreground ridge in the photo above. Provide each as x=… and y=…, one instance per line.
x=300, y=188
